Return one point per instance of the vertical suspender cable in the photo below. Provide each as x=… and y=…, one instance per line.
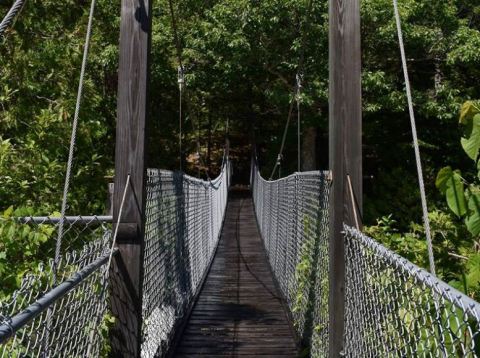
x=181, y=82
x=73, y=140
x=285, y=131
x=299, y=78
x=299, y=123
x=181, y=77
x=415, y=139
x=58, y=246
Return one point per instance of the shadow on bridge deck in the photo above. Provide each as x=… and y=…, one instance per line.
x=239, y=311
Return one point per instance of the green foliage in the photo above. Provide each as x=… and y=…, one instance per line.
x=471, y=141
x=105, y=326
x=454, y=250
x=19, y=248
x=465, y=203
x=241, y=59
x=303, y=271
x=450, y=183
x=39, y=71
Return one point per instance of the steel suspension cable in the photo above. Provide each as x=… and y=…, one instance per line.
x=300, y=75
x=416, y=146
x=297, y=92
x=181, y=86
x=11, y=15
x=181, y=82
x=181, y=79
x=73, y=140
x=109, y=264
x=282, y=146
x=299, y=123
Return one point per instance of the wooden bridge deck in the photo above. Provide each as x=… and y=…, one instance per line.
x=239, y=311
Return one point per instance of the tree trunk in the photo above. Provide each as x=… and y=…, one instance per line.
x=309, y=157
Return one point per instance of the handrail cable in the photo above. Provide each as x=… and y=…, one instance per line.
x=297, y=92
x=416, y=146
x=73, y=140
x=11, y=15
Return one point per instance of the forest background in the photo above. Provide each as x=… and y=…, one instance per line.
x=241, y=58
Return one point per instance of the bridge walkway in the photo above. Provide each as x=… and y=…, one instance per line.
x=239, y=311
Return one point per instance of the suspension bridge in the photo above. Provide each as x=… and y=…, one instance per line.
x=188, y=267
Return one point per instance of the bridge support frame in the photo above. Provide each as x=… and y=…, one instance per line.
x=345, y=151
x=130, y=159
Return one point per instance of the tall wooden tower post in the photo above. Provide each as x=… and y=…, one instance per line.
x=345, y=153
x=133, y=77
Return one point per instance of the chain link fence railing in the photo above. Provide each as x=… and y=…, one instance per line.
x=292, y=214
x=396, y=309
x=44, y=319
x=183, y=226
x=392, y=307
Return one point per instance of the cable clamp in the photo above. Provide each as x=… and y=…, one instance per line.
x=279, y=159
x=181, y=78
x=299, y=78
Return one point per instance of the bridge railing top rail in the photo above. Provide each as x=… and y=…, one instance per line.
x=215, y=182
x=71, y=220
x=313, y=173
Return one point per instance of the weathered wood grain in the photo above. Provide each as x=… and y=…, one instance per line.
x=345, y=154
x=130, y=159
x=239, y=311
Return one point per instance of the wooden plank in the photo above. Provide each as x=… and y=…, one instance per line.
x=130, y=150
x=345, y=154
x=239, y=311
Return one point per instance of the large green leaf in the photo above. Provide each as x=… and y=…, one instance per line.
x=471, y=143
x=473, y=268
x=468, y=111
x=450, y=183
x=443, y=177
x=456, y=195
x=473, y=219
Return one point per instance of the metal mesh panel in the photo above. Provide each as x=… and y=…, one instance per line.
x=292, y=215
x=396, y=309
x=184, y=220
x=41, y=319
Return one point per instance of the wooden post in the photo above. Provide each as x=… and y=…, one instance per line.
x=345, y=154
x=126, y=274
